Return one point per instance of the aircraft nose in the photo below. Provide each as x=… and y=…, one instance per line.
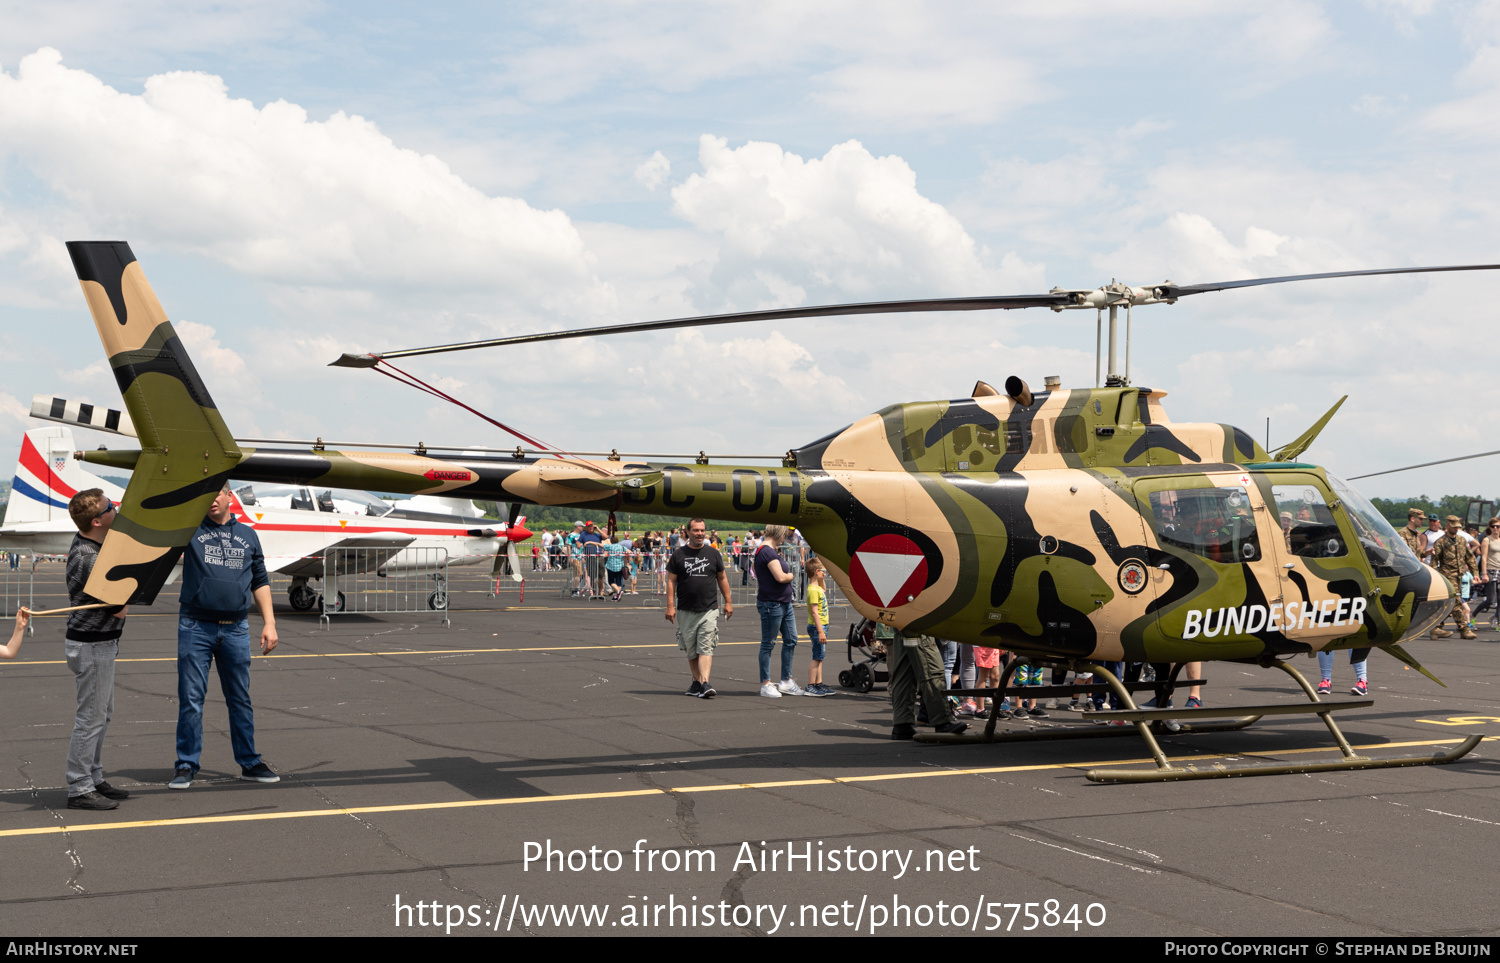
x=1432, y=603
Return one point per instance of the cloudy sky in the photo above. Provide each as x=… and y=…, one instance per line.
x=301, y=179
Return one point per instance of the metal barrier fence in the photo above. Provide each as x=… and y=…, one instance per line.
x=17, y=582
x=645, y=577
x=381, y=581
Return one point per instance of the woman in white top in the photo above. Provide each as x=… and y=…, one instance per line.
x=1489, y=571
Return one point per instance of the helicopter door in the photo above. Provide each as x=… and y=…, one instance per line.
x=1313, y=555
x=1218, y=582
x=1128, y=591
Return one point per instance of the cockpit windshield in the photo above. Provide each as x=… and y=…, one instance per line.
x=1388, y=554
x=338, y=501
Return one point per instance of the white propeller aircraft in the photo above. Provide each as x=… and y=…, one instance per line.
x=297, y=525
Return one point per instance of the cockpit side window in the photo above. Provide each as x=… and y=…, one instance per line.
x=1216, y=523
x=1307, y=524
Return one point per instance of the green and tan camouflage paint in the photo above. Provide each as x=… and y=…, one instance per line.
x=1025, y=527
x=187, y=450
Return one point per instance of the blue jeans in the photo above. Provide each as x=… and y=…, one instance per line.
x=200, y=642
x=1325, y=662
x=777, y=617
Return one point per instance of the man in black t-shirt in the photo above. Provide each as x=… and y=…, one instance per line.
x=695, y=574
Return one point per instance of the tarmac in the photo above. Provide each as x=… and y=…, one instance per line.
x=428, y=771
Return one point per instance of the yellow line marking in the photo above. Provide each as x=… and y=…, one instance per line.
x=1462, y=721
x=340, y=655
x=307, y=813
x=576, y=797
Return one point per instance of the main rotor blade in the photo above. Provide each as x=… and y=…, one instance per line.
x=1427, y=464
x=776, y=314
x=1054, y=299
x=1182, y=290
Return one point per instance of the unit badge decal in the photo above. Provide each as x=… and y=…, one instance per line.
x=1132, y=576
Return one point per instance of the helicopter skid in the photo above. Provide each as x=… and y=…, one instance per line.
x=1143, y=723
x=1054, y=733
x=1176, y=773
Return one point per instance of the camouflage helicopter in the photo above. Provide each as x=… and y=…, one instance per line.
x=1070, y=526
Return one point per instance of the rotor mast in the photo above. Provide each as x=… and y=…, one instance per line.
x=1112, y=296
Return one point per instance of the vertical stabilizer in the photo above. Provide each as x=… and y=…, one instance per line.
x=186, y=449
x=47, y=476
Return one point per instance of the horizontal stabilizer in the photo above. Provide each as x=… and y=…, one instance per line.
x=65, y=412
x=586, y=477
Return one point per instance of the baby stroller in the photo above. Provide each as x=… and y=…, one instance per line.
x=870, y=639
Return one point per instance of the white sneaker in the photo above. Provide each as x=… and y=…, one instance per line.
x=769, y=691
x=790, y=687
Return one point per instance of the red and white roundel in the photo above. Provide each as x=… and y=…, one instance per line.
x=888, y=571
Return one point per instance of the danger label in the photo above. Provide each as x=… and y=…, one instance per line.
x=444, y=474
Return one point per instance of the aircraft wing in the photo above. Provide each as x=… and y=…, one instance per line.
x=308, y=563
x=38, y=538
x=306, y=560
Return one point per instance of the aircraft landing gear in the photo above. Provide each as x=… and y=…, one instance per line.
x=1143, y=722
x=336, y=606
x=302, y=597
x=438, y=600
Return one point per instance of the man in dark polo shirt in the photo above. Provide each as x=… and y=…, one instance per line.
x=696, y=579
x=223, y=571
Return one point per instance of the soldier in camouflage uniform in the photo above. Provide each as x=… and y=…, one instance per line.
x=1412, y=534
x=1453, y=557
x=916, y=664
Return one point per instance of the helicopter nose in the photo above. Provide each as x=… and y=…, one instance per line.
x=1432, y=603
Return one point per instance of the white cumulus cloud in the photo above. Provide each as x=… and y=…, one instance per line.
x=653, y=171
x=277, y=195
x=848, y=224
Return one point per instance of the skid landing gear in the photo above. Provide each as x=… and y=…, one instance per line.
x=1142, y=721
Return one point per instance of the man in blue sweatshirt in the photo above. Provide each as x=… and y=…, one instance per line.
x=223, y=572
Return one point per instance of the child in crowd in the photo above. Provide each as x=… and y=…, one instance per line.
x=986, y=674
x=23, y=615
x=1028, y=675
x=613, y=550
x=817, y=628
x=1357, y=658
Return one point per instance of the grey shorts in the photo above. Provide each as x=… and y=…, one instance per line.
x=697, y=632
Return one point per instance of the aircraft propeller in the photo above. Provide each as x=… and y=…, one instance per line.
x=515, y=531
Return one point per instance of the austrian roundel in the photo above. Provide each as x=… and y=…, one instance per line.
x=888, y=571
